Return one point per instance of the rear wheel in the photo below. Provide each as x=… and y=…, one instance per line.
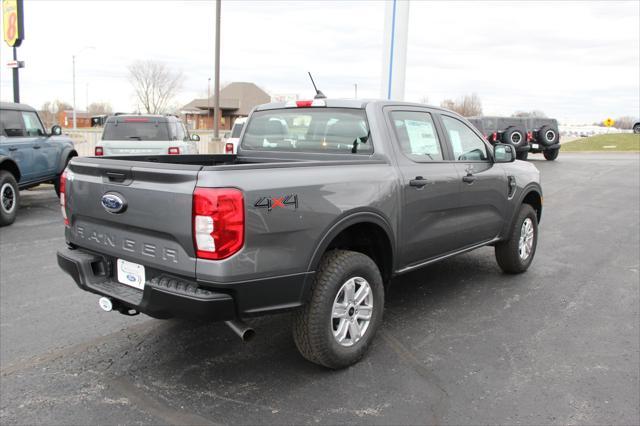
x=9, y=198
x=636, y=128
x=336, y=326
x=551, y=154
x=522, y=155
x=515, y=255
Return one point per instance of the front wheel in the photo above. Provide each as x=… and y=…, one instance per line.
x=9, y=198
x=516, y=254
x=336, y=326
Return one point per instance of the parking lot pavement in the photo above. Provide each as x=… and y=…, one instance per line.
x=461, y=343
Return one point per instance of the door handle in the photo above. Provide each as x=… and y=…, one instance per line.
x=469, y=178
x=13, y=148
x=36, y=147
x=418, y=182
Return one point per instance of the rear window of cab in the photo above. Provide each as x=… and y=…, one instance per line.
x=319, y=130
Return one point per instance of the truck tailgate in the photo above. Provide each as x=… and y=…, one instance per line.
x=153, y=228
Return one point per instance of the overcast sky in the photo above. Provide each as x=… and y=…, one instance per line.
x=576, y=61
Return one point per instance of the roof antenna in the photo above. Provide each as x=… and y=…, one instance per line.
x=319, y=94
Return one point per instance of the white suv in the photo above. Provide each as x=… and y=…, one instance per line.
x=146, y=135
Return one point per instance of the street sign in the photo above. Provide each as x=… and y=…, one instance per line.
x=15, y=64
x=12, y=22
x=609, y=122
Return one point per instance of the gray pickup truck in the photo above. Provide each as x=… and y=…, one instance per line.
x=324, y=204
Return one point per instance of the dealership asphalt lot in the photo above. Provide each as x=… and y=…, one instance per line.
x=461, y=342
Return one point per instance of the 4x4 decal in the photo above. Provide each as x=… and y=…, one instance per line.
x=271, y=203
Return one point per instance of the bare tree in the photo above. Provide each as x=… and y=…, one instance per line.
x=467, y=106
x=99, y=108
x=155, y=85
x=529, y=114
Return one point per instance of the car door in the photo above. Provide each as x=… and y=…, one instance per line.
x=45, y=153
x=483, y=197
x=430, y=186
x=15, y=144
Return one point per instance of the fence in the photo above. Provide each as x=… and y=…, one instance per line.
x=85, y=141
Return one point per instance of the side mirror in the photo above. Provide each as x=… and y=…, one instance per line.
x=195, y=138
x=503, y=153
x=56, y=130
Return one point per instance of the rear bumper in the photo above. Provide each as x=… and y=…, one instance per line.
x=164, y=296
x=542, y=147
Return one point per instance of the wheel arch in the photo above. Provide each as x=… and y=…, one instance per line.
x=366, y=232
x=66, y=155
x=6, y=163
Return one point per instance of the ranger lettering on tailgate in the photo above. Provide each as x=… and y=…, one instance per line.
x=126, y=244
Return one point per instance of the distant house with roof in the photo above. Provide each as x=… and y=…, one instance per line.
x=236, y=100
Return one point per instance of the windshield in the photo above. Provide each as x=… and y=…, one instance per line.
x=333, y=130
x=136, y=131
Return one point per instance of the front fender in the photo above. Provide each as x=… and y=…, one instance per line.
x=532, y=187
x=67, y=153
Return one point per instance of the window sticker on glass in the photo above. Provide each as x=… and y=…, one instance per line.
x=422, y=137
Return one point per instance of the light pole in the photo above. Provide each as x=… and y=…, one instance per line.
x=73, y=59
x=208, y=100
x=216, y=88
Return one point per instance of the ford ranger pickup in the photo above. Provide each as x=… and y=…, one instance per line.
x=324, y=204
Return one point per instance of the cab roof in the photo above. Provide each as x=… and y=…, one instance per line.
x=16, y=107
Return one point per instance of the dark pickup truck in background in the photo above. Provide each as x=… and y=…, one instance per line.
x=325, y=202
x=532, y=134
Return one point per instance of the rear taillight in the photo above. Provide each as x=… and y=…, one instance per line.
x=494, y=136
x=218, y=222
x=99, y=151
x=174, y=150
x=63, y=197
x=228, y=148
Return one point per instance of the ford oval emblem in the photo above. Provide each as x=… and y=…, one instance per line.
x=113, y=203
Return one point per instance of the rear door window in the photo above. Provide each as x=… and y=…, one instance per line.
x=11, y=124
x=417, y=135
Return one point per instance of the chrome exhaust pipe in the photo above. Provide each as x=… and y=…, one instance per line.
x=245, y=332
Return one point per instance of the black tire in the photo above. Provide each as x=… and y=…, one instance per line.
x=636, y=128
x=514, y=136
x=313, y=324
x=547, y=135
x=508, y=252
x=551, y=154
x=522, y=155
x=9, y=198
